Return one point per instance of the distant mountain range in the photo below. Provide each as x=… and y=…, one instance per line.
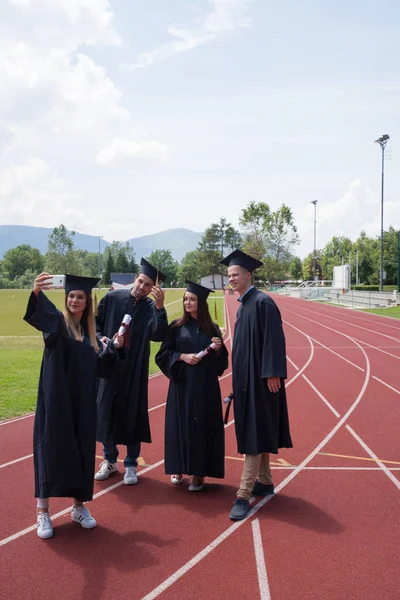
x=179, y=241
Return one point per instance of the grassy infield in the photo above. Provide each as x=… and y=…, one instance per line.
x=21, y=347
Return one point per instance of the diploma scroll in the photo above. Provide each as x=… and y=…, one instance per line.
x=124, y=327
x=206, y=351
x=125, y=322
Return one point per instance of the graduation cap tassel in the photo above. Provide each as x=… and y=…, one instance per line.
x=215, y=310
x=157, y=278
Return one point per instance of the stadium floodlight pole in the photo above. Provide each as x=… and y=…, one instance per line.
x=382, y=141
x=315, y=238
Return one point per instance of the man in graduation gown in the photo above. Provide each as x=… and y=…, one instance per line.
x=122, y=400
x=258, y=374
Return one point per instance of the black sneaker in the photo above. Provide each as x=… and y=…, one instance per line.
x=262, y=489
x=240, y=509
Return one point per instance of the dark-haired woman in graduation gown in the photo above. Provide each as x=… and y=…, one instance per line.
x=194, y=428
x=65, y=421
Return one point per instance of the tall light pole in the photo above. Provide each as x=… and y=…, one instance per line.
x=382, y=141
x=315, y=238
x=98, y=255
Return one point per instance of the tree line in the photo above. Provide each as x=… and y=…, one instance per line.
x=270, y=236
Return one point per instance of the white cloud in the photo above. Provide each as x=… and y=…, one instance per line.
x=129, y=150
x=356, y=210
x=224, y=19
x=32, y=194
x=48, y=84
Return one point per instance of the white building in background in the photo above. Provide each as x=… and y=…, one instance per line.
x=341, y=277
x=215, y=281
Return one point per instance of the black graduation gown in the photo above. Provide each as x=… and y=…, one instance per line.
x=259, y=351
x=194, y=427
x=64, y=436
x=125, y=394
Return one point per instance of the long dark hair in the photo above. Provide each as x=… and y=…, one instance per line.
x=203, y=318
x=87, y=322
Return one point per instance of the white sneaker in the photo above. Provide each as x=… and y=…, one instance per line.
x=130, y=477
x=44, y=526
x=106, y=469
x=81, y=515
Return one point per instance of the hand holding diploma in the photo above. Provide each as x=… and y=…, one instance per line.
x=122, y=337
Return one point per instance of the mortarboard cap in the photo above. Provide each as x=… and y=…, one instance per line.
x=237, y=257
x=75, y=282
x=147, y=269
x=199, y=290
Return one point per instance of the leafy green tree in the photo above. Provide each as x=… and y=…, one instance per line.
x=190, y=267
x=334, y=253
x=296, y=268
x=218, y=240
x=252, y=222
x=109, y=266
x=89, y=262
x=21, y=259
x=308, y=267
x=60, y=257
x=270, y=237
x=390, y=258
x=164, y=262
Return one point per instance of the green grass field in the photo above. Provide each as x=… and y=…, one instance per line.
x=391, y=311
x=21, y=346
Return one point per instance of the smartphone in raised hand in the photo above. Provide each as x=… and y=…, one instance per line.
x=56, y=281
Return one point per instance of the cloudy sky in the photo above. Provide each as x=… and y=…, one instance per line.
x=123, y=118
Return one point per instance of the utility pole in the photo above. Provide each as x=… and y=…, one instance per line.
x=315, y=202
x=98, y=256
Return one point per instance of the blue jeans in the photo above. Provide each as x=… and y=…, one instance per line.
x=110, y=451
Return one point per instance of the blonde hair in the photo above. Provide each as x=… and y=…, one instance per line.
x=74, y=326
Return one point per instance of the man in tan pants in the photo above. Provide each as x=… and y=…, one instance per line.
x=258, y=374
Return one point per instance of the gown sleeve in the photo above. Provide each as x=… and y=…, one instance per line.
x=222, y=355
x=159, y=325
x=273, y=343
x=100, y=317
x=44, y=316
x=107, y=359
x=167, y=358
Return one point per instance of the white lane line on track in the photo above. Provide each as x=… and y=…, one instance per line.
x=356, y=340
x=230, y=530
x=341, y=321
x=292, y=363
x=370, y=320
x=304, y=367
x=260, y=561
x=292, y=467
x=17, y=460
x=373, y=455
x=338, y=355
x=23, y=532
x=386, y=384
x=328, y=404
x=9, y=421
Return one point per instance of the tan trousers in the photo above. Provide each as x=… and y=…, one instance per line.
x=254, y=465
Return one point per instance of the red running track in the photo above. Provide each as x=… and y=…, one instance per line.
x=331, y=531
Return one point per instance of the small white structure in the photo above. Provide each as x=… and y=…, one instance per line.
x=122, y=280
x=215, y=281
x=341, y=277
